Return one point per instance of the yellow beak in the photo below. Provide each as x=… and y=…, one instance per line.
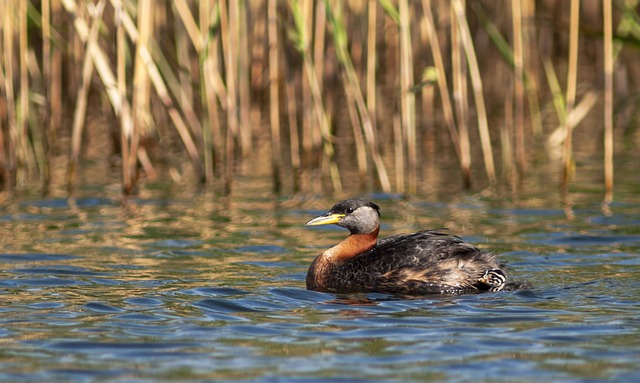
x=325, y=219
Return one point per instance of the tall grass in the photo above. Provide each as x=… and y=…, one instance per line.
x=219, y=83
x=274, y=98
x=302, y=40
x=356, y=103
x=572, y=79
x=608, y=102
x=461, y=145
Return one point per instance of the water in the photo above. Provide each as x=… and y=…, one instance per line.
x=192, y=288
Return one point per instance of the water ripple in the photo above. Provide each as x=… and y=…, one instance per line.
x=29, y=257
x=176, y=292
x=57, y=270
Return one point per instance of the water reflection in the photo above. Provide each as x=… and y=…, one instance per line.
x=190, y=290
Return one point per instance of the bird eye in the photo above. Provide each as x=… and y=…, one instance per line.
x=349, y=210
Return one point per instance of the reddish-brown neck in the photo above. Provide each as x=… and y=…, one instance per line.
x=351, y=246
x=320, y=272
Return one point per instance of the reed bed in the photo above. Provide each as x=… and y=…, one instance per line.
x=384, y=90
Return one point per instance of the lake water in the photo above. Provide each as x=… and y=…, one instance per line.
x=197, y=288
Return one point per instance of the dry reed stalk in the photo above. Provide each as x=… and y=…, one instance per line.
x=183, y=57
x=258, y=37
x=442, y=79
x=531, y=57
x=506, y=141
x=189, y=23
x=23, y=115
x=518, y=64
x=242, y=19
x=292, y=113
x=8, y=72
x=125, y=117
x=210, y=125
x=572, y=77
x=46, y=109
x=361, y=152
x=217, y=82
x=312, y=17
x=371, y=60
x=46, y=54
x=215, y=90
x=125, y=20
x=391, y=40
x=398, y=153
x=172, y=83
x=294, y=137
x=205, y=133
x=159, y=86
x=4, y=169
x=174, y=114
x=76, y=42
x=559, y=135
x=316, y=21
x=302, y=44
x=142, y=120
x=408, y=98
x=339, y=33
x=274, y=94
x=236, y=80
x=100, y=60
x=55, y=90
x=229, y=49
x=476, y=81
x=153, y=60
x=82, y=97
x=608, y=102
x=556, y=90
x=427, y=80
x=4, y=165
x=182, y=89
x=360, y=116
x=461, y=100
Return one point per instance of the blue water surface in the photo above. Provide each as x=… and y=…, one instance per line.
x=193, y=289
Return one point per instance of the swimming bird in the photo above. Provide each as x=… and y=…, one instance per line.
x=425, y=262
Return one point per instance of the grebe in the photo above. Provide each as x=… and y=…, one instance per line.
x=426, y=262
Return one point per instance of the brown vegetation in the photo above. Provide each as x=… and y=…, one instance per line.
x=213, y=81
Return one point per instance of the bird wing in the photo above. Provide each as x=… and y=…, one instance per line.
x=429, y=257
